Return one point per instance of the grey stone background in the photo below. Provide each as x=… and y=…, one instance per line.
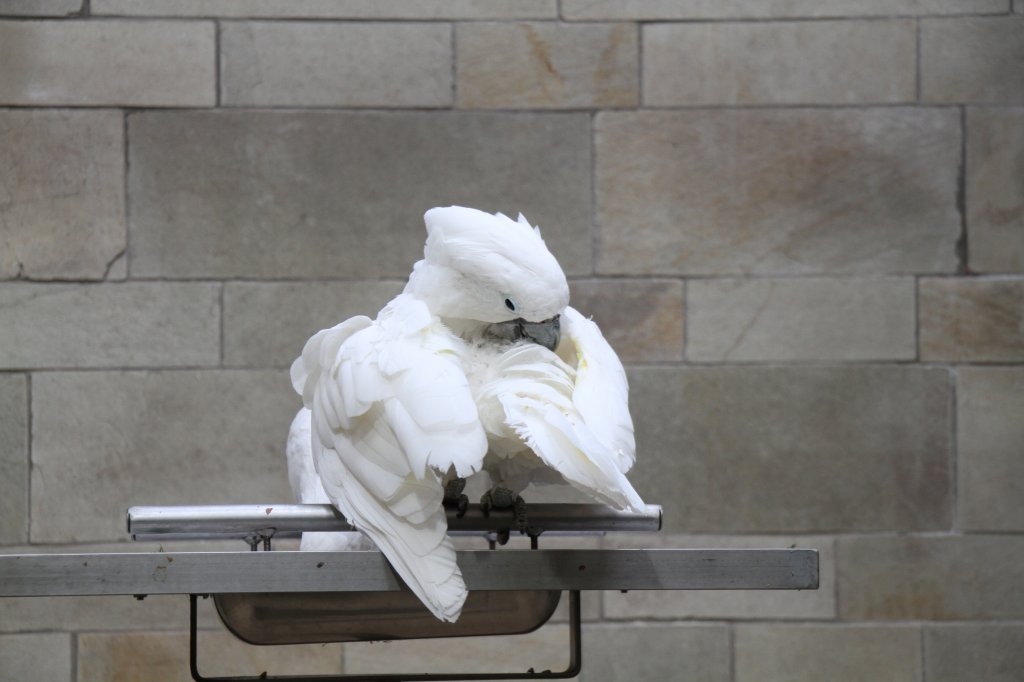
x=800, y=222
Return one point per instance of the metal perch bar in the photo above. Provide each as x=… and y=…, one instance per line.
x=245, y=521
x=24, y=575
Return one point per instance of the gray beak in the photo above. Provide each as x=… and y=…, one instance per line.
x=546, y=333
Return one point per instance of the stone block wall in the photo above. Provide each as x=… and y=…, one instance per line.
x=800, y=222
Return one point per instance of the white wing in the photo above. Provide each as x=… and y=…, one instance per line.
x=601, y=393
x=391, y=408
x=536, y=390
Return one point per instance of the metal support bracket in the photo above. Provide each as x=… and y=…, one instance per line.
x=575, y=659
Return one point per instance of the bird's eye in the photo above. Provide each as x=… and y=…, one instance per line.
x=510, y=304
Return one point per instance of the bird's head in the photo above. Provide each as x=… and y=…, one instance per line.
x=491, y=271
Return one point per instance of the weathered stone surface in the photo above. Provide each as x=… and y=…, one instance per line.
x=995, y=201
x=971, y=320
x=36, y=657
x=800, y=319
x=61, y=193
x=806, y=62
x=106, y=441
x=613, y=652
x=97, y=63
x=975, y=60
x=797, y=449
x=733, y=604
x=13, y=459
x=994, y=653
x=163, y=657
x=266, y=324
x=792, y=191
x=336, y=64
x=321, y=199
x=39, y=8
x=546, y=648
x=134, y=324
x=545, y=65
x=931, y=578
x=335, y=9
x=795, y=653
x=768, y=9
x=990, y=448
x=117, y=271
x=642, y=319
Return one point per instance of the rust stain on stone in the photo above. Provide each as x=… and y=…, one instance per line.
x=550, y=82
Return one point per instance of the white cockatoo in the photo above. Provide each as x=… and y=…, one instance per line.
x=478, y=365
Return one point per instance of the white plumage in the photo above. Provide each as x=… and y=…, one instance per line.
x=443, y=383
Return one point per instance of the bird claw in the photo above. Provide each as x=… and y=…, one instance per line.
x=503, y=498
x=454, y=497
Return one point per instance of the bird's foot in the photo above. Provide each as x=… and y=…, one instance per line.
x=503, y=498
x=454, y=497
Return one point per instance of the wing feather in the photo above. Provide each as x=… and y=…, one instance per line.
x=391, y=412
x=536, y=390
x=601, y=393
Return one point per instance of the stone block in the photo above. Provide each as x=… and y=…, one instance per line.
x=806, y=62
x=995, y=201
x=642, y=319
x=795, y=653
x=973, y=60
x=647, y=10
x=794, y=449
x=546, y=65
x=793, y=191
x=342, y=194
x=75, y=614
x=61, y=193
x=334, y=9
x=138, y=324
x=971, y=320
x=800, y=319
x=13, y=459
x=652, y=651
x=969, y=577
x=105, y=62
x=546, y=648
x=266, y=324
x=990, y=448
x=819, y=604
x=105, y=441
x=39, y=8
x=336, y=64
x=36, y=657
x=994, y=653
x=163, y=657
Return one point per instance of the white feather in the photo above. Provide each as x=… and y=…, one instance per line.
x=390, y=408
x=601, y=391
x=536, y=391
